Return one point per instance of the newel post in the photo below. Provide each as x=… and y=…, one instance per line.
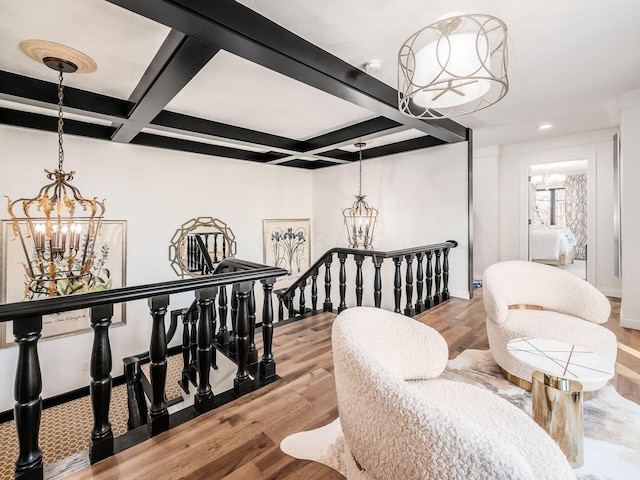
x=28, y=407
x=100, y=386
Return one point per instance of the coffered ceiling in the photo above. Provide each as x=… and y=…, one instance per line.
x=282, y=81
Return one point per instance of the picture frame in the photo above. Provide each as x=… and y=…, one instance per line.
x=287, y=244
x=113, y=235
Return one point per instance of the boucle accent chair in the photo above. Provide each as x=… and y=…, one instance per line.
x=572, y=311
x=402, y=422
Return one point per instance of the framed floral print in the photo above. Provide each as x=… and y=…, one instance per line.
x=287, y=245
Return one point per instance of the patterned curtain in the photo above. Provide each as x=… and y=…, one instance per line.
x=575, y=187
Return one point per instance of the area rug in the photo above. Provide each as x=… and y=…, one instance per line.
x=611, y=424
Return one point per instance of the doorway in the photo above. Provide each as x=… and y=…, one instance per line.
x=560, y=230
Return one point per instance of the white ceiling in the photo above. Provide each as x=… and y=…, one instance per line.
x=568, y=60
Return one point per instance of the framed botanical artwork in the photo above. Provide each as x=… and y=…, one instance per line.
x=287, y=245
x=110, y=271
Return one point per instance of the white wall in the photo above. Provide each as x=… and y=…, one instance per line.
x=155, y=191
x=513, y=162
x=421, y=197
x=630, y=219
x=486, y=205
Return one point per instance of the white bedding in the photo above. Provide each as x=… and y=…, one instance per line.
x=550, y=242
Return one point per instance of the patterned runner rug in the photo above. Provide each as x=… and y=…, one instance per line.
x=611, y=424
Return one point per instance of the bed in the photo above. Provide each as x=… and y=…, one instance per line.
x=552, y=244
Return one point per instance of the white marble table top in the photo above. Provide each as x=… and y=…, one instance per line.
x=560, y=359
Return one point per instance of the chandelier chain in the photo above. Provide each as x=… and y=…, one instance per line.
x=360, y=175
x=60, y=123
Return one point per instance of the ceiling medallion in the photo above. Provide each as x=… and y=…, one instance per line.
x=455, y=66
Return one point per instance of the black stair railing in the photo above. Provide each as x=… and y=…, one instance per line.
x=430, y=264
x=238, y=275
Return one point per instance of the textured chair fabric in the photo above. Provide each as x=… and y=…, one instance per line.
x=572, y=311
x=402, y=422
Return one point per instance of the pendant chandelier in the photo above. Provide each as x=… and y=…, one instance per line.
x=360, y=218
x=452, y=67
x=57, y=228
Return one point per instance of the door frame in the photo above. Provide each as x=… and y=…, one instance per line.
x=541, y=158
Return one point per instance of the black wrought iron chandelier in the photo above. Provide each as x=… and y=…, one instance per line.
x=58, y=227
x=360, y=218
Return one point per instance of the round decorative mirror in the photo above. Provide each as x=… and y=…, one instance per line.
x=199, y=245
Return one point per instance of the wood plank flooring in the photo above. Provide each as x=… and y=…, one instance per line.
x=241, y=440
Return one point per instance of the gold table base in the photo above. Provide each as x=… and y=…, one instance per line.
x=557, y=407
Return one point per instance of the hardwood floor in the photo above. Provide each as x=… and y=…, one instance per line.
x=241, y=440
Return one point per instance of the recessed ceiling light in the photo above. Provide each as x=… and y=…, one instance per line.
x=372, y=67
x=544, y=126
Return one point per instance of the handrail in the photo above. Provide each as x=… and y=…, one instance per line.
x=365, y=253
x=240, y=271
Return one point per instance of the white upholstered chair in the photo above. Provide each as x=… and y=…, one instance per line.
x=400, y=421
x=572, y=311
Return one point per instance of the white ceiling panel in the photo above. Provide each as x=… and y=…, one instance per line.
x=236, y=91
x=201, y=139
x=121, y=43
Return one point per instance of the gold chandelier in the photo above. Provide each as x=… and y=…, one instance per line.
x=58, y=227
x=360, y=218
x=452, y=67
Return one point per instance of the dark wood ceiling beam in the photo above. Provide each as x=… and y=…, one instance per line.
x=349, y=134
x=41, y=93
x=48, y=123
x=182, y=145
x=243, y=32
x=188, y=124
x=178, y=60
x=384, y=150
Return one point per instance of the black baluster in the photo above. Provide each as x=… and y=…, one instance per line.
x=268, y=364
x=100, y=386
x=193, y=347
x=186, y=350
x=428, y=302
x=397, y=284
x=419, y=283
x=253, y=352
x=215, y=247
x=437, y=298
x=280, y=308
x=328, y=305
x=302, y=299
x=409, y=311
x=290, y=307
x=224, y=247
x=28, y=407
x=445, y=274
x=189, y=253
x=233, y=337
x=359, y=259
x=242, y=382
x=343, y=281
x=377, y=281
x=314, y=290
x=204, y=399
x=158, y=415
x=223, y=332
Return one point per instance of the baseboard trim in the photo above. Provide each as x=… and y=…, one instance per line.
x=459, y=294
x=627, y=322
x=611, y=292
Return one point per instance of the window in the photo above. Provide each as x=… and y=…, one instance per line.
x=550, y=207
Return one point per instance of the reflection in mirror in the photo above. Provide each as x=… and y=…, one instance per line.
x=199, y=245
